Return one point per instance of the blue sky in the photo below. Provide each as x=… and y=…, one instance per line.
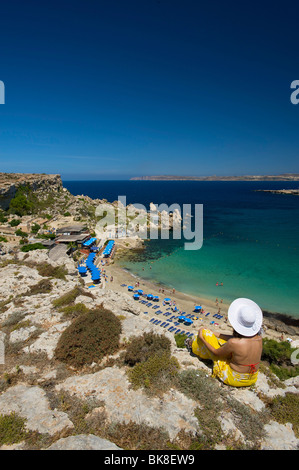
x=119, y=88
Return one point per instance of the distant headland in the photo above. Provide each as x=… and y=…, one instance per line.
x=281, y=177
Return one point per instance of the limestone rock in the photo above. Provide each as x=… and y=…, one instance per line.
x=279, y=437
x=48, y=340
x=118, y=303
x=83, y=442
x=174, y=411
x=22, y=334
x=32, y=404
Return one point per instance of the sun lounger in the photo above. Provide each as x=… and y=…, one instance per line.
x=207, y=314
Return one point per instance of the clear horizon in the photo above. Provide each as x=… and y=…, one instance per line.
x=114, y=90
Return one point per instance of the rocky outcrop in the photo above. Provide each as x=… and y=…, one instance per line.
x=83, y=442
x=10, y=182
x=32, y=404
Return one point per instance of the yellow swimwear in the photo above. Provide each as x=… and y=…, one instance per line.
x=221, y=368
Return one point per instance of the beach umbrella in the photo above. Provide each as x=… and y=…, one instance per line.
x=198, y=307
x=167, y=300
x=155, y=297
x=130, y=287
x=182, y=318
x=136, y=296
x=149, y=296
x=140, y=291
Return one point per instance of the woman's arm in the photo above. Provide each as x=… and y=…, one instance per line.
x=223, y=351
x=225, y=337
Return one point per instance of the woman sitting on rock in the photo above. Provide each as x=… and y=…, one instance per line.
x=236, y=358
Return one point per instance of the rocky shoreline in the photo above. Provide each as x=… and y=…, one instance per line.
x=293, y=192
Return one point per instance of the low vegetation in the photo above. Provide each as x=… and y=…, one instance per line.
x=285, y=409
x=12, y=429
x=33, y=247
x=141, y=348
x=278, y=356
x=89, y=338
x=67, y=298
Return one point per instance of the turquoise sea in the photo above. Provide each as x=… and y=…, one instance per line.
x=251, y=239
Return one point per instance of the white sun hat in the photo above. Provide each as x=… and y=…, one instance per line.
x=245, y=316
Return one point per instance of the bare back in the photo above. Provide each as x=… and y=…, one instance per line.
x=246, y=351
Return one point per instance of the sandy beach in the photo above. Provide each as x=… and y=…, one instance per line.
x=118, y=279
x=185, y=303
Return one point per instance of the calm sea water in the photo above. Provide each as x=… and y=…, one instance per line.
x=251, y=239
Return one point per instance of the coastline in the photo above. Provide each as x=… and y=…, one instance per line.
x=274, y=324
x=274, y=317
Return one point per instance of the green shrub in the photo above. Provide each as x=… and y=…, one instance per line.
x=142, y=347
x=35, y=228
x=67, y=298
x=21, y=203
x=14, y=222
x=12, y=429
x=89, y=338
x=180, y=340
x=47, y=270
x=276, y=352
x=32, y=247
x=20, y=233
x=3, y=218
x=156, y=375
x=42, y=287
x=285, y=409
x=73, y=311
x=284, y=373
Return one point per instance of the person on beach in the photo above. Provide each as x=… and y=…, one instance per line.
x=236, y=357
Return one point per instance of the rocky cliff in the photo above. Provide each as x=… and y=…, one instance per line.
x=10, y=182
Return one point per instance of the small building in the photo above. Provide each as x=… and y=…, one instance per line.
x=72, y=230
x=78, y=239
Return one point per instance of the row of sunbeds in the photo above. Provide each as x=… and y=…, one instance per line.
x=172, y=328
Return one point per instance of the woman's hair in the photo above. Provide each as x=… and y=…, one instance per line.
x=238, y=335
